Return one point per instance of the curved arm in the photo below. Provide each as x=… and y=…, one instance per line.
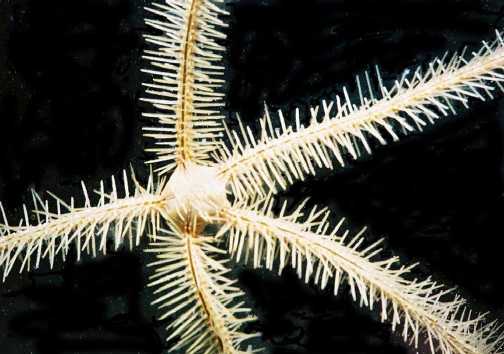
x=87, y=227
x=421, y=307
x=186, y=81
x=287, y=154
x=194, y=287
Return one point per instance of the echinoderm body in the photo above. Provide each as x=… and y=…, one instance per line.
x=73, y=114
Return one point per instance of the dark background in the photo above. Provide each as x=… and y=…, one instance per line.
x=69, y=110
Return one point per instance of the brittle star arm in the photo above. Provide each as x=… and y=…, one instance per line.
x=424, y=309
x=186, y=81
x=286, y=154
x=88, y=227
x=193, y=284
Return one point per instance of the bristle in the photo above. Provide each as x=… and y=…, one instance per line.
x=186, y=81
x=414, y=101
x=87, y=227
x=425, y=310
x=193, y=287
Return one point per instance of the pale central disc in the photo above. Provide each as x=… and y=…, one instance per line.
x=197, y=189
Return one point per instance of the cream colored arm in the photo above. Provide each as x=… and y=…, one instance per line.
x=187, y=80
x=423, y=309
x=88, y=227
x=195, y=287
x=289, y=153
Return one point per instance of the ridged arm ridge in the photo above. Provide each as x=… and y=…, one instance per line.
x=89, y=227
x=186, y=81
x=193, y=285
x=283, y=155
x=425, y=309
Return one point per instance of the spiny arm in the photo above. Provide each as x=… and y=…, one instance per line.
x=283, y=155
x=187, y=80
x=88, y=227
x=194, y=287
x=424, y=309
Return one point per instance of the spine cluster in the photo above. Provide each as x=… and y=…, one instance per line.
x=342, y=127
x=194, y=286
x=88, y=228
x=425, y=311
x=187, y=77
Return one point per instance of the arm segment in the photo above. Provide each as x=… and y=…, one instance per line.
x=423, y=308
x=195, y=288
x=186, y=81
x=87, y=227
x=283, y=155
